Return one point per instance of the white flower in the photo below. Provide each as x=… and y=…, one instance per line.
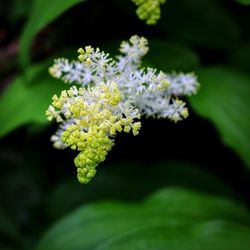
x=112, y=96
x=182, y=84
x=147, y=89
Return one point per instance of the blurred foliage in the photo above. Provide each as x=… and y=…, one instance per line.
x=202, y=161
x=19, y=9
x=37, y=96
x=171, y=56
x=42, y=13
x=205, y=223
x=230, y=93
x=244, y=1
x=239, y=58
x=205, y=23
x=114, y=176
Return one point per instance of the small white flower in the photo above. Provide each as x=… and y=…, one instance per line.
x=113, y=95
x=147, y=90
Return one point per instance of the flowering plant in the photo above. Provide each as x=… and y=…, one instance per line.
x=149, y=10
x=180, y=183
x=112, y=96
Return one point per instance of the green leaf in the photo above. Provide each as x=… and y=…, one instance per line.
x=206, y=23
x=170, y=56
x=239, y=58
x=170, y=219
x=42, y=13
x=245, y=2
x=224, y=100
x=8, y=228
x=22, y=103
x=19, y=10
x=111, y=182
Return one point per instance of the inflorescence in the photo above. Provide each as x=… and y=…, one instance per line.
x=112, y=96
x=149, y=10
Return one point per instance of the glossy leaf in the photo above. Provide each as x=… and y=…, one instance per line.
x=22, y=104
x=42, y=13
x=111, y=182
x=170, y=219
x=224, y=100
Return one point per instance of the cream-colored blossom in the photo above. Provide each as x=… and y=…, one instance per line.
x=111, y=97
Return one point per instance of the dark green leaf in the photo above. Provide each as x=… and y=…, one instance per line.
x=224, y=100
x=42, y=13
x=245, y=2
x=170, y=56
x=170, y=219
x=7, y=227
x=240, y=58
x=111, y=182
x=22, y=104
x=19, y=10
x=205, y=23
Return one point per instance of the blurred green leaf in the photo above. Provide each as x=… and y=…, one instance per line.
x=224, y=100
x=240, y=58
x=170, y=56
x=246, y=2
x=19, y=10
x=111, y=182
x=170, y=219
x=22, y=104
x=8, y=228
x=42, y=13
x=206, y=23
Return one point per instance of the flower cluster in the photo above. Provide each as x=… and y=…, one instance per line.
x=149, y=10
x=112, y=96
x=90, y=118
